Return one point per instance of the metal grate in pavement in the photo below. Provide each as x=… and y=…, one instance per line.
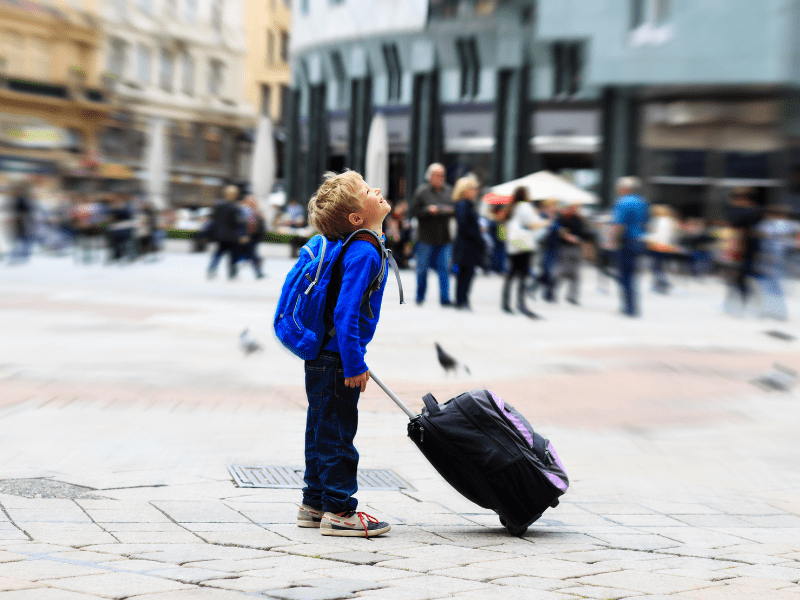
x=291, y=477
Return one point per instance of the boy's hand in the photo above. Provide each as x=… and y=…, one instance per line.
x=358, y=381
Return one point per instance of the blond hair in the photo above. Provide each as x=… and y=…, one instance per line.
x=330, y=207
x=468, y=182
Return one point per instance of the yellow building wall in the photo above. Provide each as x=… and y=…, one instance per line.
x=263, y=17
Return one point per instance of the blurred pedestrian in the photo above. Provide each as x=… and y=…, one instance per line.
x=398, y=233
x=744, y=216
x=572, y=232
x=661, y=240
x=630, y=214
x=228, y=230
x=469, y=247
x=23, y=211
x=778, y=236
x=121, y=231
x=433, y=208
x=523, y=221
x=256, y=229
x=548, y=240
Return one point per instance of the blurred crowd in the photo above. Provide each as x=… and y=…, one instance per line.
x=540, y=246
x=105, y=227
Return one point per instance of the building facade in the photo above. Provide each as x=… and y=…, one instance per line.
x=267, y=78
x=52, y=104
x=464, y=82
x=697, y=97
x=181, y=61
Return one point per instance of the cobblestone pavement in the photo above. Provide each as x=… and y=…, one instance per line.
x=123, y=398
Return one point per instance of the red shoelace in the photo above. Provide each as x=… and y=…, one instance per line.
x=361, y=516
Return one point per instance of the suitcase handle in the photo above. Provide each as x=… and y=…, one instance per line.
x=431, y=404
x=391, y=395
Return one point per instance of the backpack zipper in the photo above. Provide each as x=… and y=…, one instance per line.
x=319, y=268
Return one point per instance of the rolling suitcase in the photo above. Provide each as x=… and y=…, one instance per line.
x=489, y=453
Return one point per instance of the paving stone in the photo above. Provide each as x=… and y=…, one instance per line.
x=594, y=556
x=343, y=584
x=318, y=549
x=736, y=591
x=25, y=515
x=650, y=520
x=189, y=574
x=135, y=566
x=117, y=585
x=10, y=583
x=182, y=553
x=643, y=581
x=698, y=573
x=261, y=540
x=417, y=565
x=368, y=572
x=36, y=570
x=86, y=556
x=544, y=567
x=164, y=537
x=359, y=558
x=436, y=583
x=146, y=514
x=203, y=593
x=200, y=512
x=249, y=584
x=765, y=571
x=601, y=593
x=535, y=583
x=41, y=593
x=509, y=593
x=224, y=527
x=307, y=593
x=292, y=563
x=642, y=541
x=29, y=548
x=233, y=566
x=452, y=554
x=614, y=508
x=10, y=556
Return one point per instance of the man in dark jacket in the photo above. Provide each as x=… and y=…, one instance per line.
x=433, y=208
x=228, y=230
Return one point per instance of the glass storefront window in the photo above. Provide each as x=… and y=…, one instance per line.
x=680, y=163
x=746, y=165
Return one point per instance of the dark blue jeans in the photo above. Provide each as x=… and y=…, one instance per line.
x=438, y=257
x=626, y=260
x=331, y=457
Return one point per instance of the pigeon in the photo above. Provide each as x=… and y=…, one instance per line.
x=781, y=335
x=448, y=362
x=781, y=379
x=248, y=344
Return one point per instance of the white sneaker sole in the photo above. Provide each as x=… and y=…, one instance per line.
x=308, y=524
x=353, y=532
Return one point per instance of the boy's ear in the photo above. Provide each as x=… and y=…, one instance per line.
x=355, y=219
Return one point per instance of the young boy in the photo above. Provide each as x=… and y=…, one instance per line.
x=335, y=379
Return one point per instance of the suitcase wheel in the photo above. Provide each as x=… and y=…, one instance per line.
x=515, y=531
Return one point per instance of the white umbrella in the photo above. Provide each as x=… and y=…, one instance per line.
x=376, y=172
x=262, y=168
x=545, y=184
x=157, y=167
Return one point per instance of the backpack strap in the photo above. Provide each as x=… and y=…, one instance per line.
x=370, y=236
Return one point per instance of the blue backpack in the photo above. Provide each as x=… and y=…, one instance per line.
x=303, y=319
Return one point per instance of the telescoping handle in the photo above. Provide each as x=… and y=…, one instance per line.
x=391, y=395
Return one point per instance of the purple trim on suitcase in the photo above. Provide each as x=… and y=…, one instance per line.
x=516, y=422
x=556, y=481
x=560, y=484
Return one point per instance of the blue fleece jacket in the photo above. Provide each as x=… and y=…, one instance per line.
x=354, y=330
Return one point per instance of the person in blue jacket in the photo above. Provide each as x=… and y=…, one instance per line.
x=343, y=204
x=468, y=247
x=631, y=213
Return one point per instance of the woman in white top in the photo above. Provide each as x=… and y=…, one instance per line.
x=519, y=247
x=662, y=243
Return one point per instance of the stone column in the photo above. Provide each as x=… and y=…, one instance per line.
x=511, y=157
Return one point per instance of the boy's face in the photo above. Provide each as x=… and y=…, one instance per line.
x=373, y=206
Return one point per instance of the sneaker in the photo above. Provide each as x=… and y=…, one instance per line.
x=308, y=516
x=352, y=524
